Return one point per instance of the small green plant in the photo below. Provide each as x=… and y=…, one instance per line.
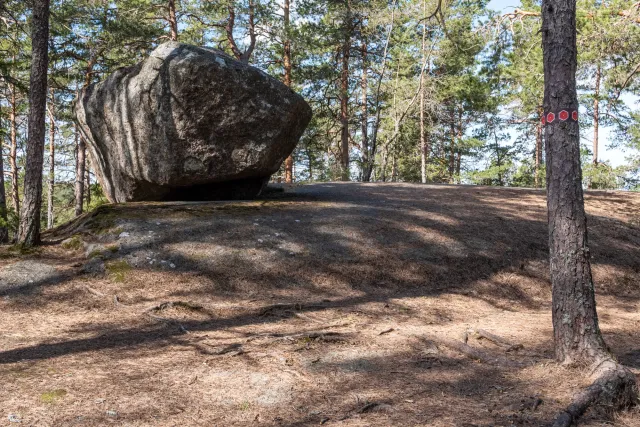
x=53, y=395
x=245, y=406
x=117, y=270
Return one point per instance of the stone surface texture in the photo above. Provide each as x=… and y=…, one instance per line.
x=189, y=123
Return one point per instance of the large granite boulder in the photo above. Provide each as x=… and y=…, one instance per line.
x=189, y=123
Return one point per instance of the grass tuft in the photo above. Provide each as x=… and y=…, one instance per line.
x=53, y=395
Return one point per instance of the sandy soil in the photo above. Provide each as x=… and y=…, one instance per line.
x=326, y=304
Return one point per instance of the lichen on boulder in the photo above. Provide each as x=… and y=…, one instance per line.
x=189, y=123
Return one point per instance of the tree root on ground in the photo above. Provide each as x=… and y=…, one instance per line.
x=615, y=388
x=272, y=310
x=176, y=304
x=311, y=335
x=499, y=341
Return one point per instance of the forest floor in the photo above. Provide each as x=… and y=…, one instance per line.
x=335, y=304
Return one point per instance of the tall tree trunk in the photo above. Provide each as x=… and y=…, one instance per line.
x=376, y=106
x=29, y=229
x=52, y=162
x=538, y=150
x=81, y=152
x=452, y=148
x=13, y=150
x=385, y=160
x=310, y=159
x=81, y=146
x=4, y=230
x=424, y=151
x=87, y=182
x=596, y=114
x=394, y=166
x=575, y=322
x=365, y=113
x=459, y=146
x=577, y=336
x=173, y=20
x=288, y=164
x=344, y=99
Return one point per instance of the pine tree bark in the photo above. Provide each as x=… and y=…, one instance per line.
x=81, y=152
x=52, y=163
x=173, y=20
x=577, y=336
x=29, y=229
x=538, y=150
x=13, y=149
x=288, y=164
x=4, y=230
x=576, y=331
x=596, y=114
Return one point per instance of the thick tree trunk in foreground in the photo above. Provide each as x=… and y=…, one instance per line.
x=575, y=322
x=288, y=163
x=577, y=335
x=52, y=164
x=81, y=152
x=29, y=230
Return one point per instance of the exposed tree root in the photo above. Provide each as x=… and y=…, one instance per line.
x=614, y=388
x=176, y=304
x=272, y=310
x=499, y=341
x=311, y=336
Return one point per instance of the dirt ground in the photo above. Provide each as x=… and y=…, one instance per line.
x=328, y=304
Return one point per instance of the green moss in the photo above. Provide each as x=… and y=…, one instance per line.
x=118, y=270
x=74, y=243
x=53, y=395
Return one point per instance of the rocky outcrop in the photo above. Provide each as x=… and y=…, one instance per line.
x=189, y=123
